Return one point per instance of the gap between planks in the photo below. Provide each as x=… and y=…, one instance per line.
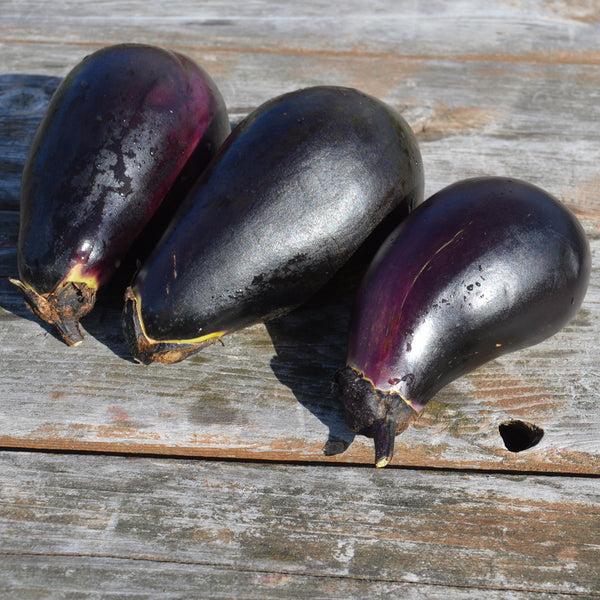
x=175, y=454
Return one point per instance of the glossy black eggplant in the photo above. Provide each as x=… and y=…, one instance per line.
x=295, y=190
x=116, y=134
x=484, y=267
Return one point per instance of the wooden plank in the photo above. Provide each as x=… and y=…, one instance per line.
x=266, y=394
x=490, y=123
x=534, y=28
x=83, y=577
x=287, y=528
x=509, y=91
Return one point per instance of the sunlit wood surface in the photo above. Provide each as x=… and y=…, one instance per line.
x=232, y=474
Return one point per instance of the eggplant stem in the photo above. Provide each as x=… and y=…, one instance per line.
x=384, y=434
x=146, y=350
x=61, y=308
x=373, y=412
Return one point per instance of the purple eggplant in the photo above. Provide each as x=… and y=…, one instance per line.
x=296, y=189
x=484, y=267
x=116, y=134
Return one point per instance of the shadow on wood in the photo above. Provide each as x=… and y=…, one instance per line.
x=310, y=344
x=23, y=100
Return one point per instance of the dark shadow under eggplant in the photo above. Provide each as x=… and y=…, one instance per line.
x=310, y=345
x=311, y=342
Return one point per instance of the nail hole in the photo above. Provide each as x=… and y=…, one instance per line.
x=520, y=435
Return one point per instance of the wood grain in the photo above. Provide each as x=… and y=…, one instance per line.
x=266, y=393
x=511, y=89
x=491, y=123
x=85, y=577
x=522, y=30
x=280, y=528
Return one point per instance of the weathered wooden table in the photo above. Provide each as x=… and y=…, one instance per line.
x=232, y=474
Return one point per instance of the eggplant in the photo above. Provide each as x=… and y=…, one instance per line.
x=295, y=190
x=115, y=136
x=486, y=266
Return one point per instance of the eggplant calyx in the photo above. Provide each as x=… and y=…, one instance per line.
x=373, y=412
x=62, y=308
x=147, y=350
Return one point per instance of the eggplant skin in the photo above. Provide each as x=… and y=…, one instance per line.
x=484, y=267
x=294, y=191
x=116, y=134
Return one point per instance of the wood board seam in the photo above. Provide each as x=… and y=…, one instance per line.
x=206, y=457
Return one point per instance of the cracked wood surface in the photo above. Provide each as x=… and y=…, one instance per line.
x=512, y=90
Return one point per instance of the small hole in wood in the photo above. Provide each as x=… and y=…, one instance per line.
x=520, y=435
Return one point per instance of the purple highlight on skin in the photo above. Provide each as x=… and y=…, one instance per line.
x=382, y=357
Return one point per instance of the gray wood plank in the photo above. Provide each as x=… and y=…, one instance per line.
x=33, y=577
x=345, y=530
x=534, y=121
x=266, y=393
x=531, y=28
